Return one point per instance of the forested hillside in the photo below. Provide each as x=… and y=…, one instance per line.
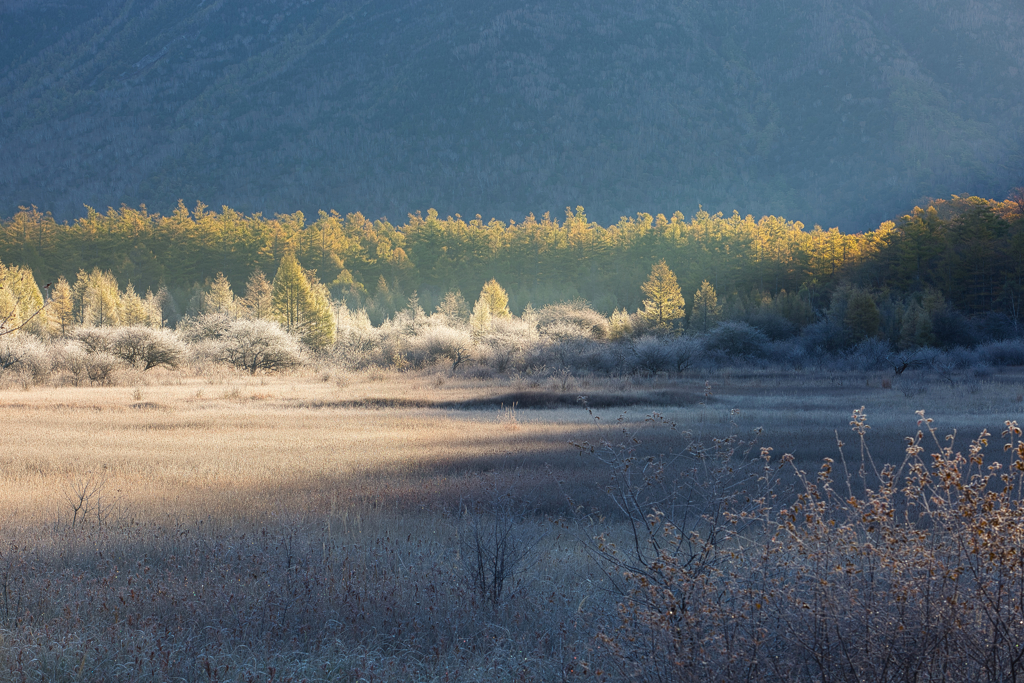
x=825, y=112
x=966, y=249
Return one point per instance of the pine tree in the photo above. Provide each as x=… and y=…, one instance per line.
x=62, y=307
x=80, y=297
x=155, y=306
x=664, y=304
x=220, y=298
x=705, y=305
x=454, y=306
x=496, y=299
x=480, y=320
x=21, y=303
x=133, y=309
x=257, y=302
x=302, y=308
x=862, y=316
x=98, y=298
x=290, y=296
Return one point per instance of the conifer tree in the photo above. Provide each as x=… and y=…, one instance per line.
x=705, y=306
x=257, y=302
x=302, y=308
x=664, y=304
x=496, y=299
x=480, y=320
x=133, y=309
x=98, y=298
x=220, y=298
x=454, y=306
x=21, y=303
x=291, y=295
x=62, y=307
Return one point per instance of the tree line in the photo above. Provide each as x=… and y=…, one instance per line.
x=964, y=251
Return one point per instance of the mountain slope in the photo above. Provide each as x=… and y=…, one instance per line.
x=821, y=111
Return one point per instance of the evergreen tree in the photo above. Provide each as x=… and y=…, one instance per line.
x=21, y=303
x=705, y=305
x=291, y=295
x=496, y=299
x=62, y=307
x=454, y=306
x=257, y=302
x=134, y=312
x=480, y=320
x=302, y=308
x=664, y=305
x=220, y=298
x=155, y=306
x=862, y=316
x=97, y=299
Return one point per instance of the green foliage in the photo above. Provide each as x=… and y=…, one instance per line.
x=862, y=316
x=21, y=303
x=664, y=305
x=496, y=299
x=706, y=309
x=302, y=308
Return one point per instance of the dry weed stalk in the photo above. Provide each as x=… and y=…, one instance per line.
x=915, y=571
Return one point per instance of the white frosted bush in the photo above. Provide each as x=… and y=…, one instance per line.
x=574, y=319
x=255, y=345
x=146, y=348
x=441, y=342
x=25, y=356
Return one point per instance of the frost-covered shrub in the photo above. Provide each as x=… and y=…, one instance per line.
x=93, y=339
x=101, y=368
x=774, y=325
x=1002, y=353
x=440, y=342
x=507, y=343
x=823, y=337
x=734, y=339
x=255, y=345
x=959, y=358
x=653, y=354
x=203, y=327
x=146, y=348
x=25, y=356
x=870, y=354
x=575, y=319
x=786, y=353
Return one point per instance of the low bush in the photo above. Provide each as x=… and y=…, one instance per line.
x=736, y=339
x=1002, y=353
x=255, y=345
x=571, y=320
x=25, y=356
x=146, y=348
x=907, y=572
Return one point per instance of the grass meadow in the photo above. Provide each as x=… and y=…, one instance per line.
x=423, y=526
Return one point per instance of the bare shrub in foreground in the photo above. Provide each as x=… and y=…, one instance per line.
x=495, y=545
x=910, y=571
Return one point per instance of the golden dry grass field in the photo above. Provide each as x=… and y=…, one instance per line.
x=311, y=526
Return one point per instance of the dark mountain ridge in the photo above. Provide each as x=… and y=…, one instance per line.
x=825, y=112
